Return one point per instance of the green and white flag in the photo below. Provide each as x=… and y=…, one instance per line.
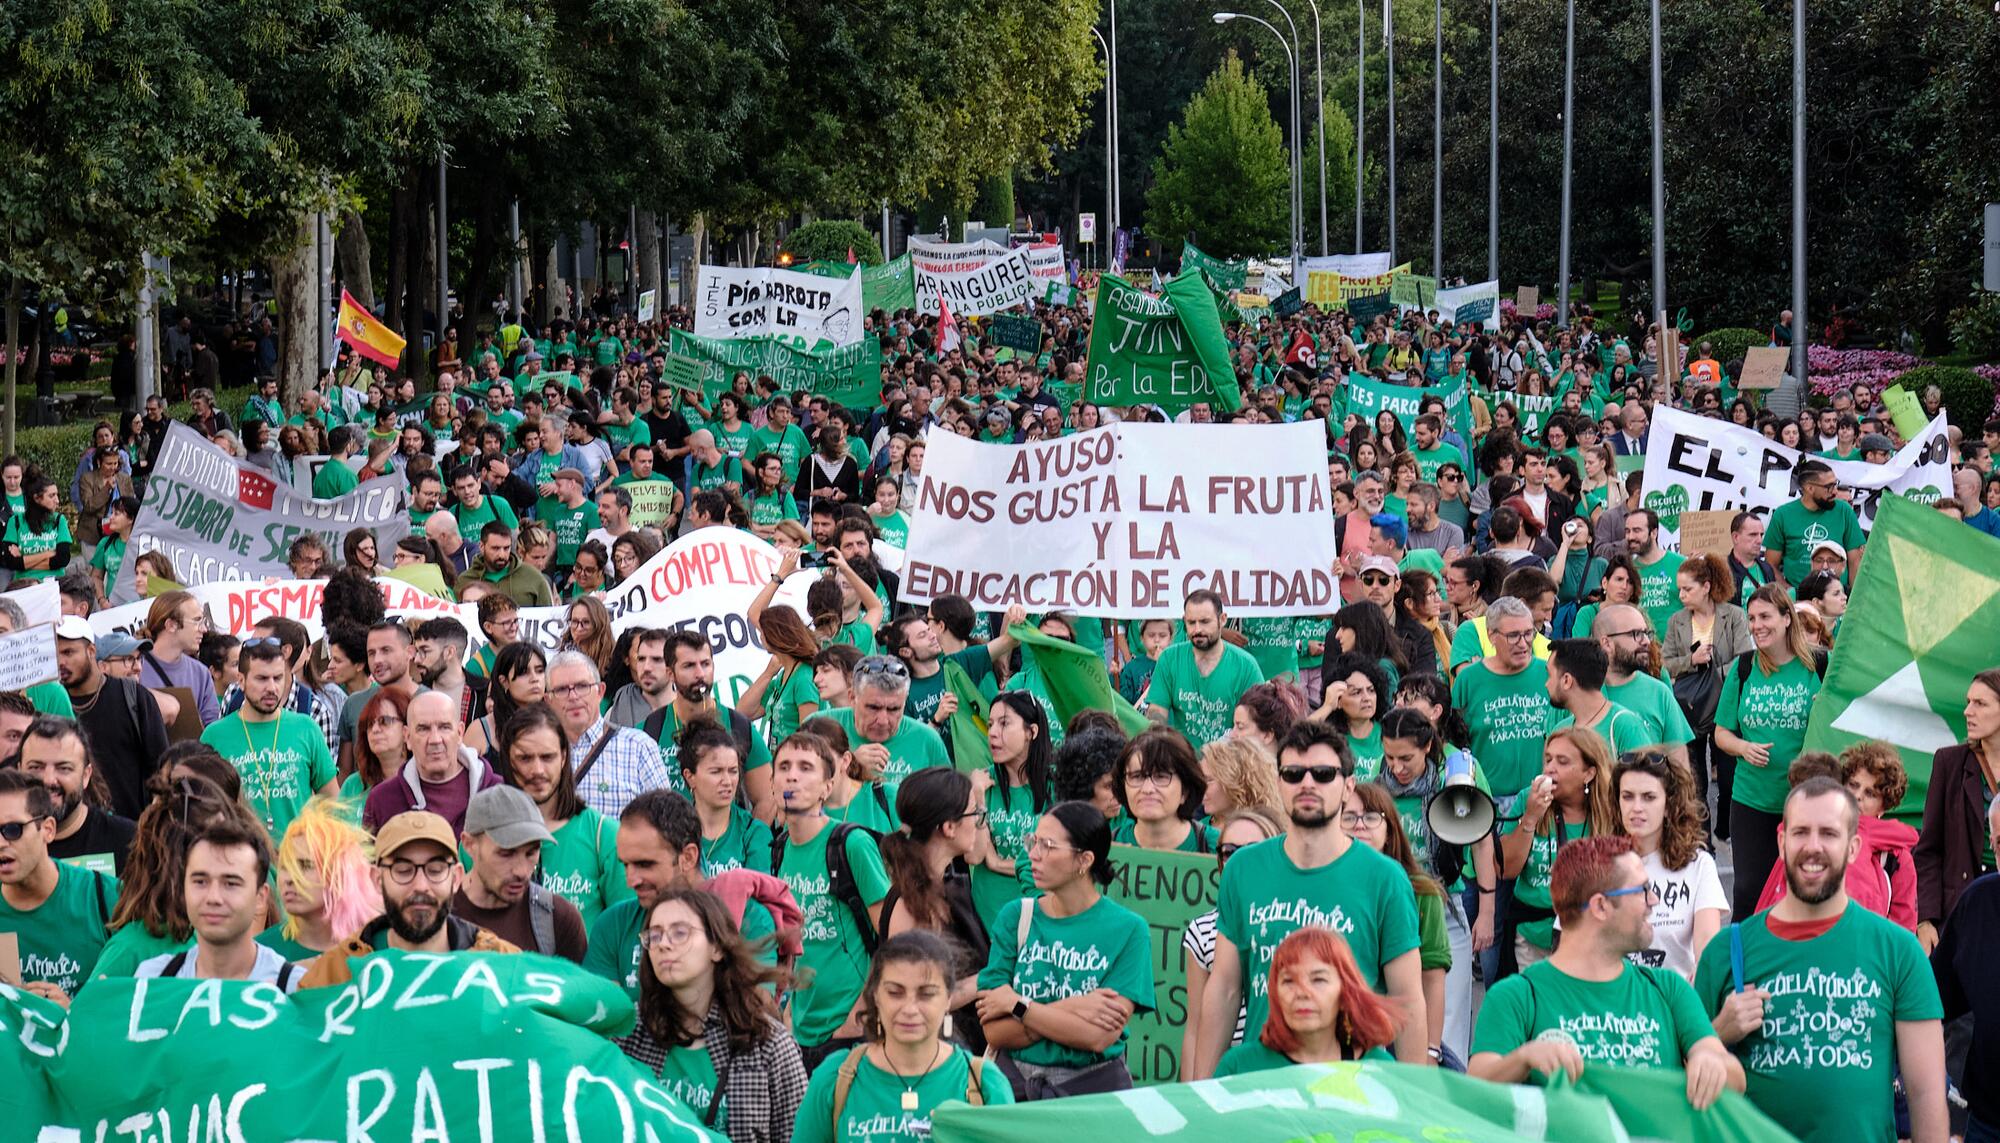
x=1924, y=618
x=1167, y=350
x=887, y=287
x=1062, y=294
x=1227, y=276
x=850, y=375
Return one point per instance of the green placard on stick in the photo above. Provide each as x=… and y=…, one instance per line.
x=682, y=372
x=1015, y=331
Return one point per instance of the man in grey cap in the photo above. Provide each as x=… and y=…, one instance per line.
x=502, y=892
x=1876, y=448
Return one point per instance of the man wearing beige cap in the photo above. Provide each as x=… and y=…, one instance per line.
x=569, y=516
x=417, y=870
x=504, y=836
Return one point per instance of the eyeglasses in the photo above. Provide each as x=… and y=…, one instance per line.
x=1637, y=635
x=404, y=872
x=1293, y=775
x=1821, y=485
x=1376, y=579
x=1629, y=890
x=1227, y=849
x=387, y=720
x=978, y=816
x=671, y=936
x=1515, y=636
x=574, y=690
x=1371, y=819
x=1155, y=778
x=12, y=831
x=1041, y=845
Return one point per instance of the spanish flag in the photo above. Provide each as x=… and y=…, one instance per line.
x=370, y=338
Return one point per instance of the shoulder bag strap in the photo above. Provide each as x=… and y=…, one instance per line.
x=596, y=752
x=843, y=1082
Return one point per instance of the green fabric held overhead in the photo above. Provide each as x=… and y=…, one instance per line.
x=1366, y=397
x=494, y=1047
x=889, y=287
x=1374, y=1101
x=965, y=730
x=1077, y=680
x=850, y=375
x=1226, y=276
x=1167, y=350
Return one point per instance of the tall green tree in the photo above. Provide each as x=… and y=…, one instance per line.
x=1224, y=173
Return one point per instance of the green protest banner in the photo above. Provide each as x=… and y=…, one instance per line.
x=1413, y=290
x=1924, y=619
x=889, y=286
x=682, y=372
x=1167, y=350
x=1373, y=1102
x=1365, y=397
x=1226, y=275
x=1168, y=889
x=473, y=1046
x=1076, y=679
x=1368, y=307
x=850, y=375
x=652, y=500
x=1015, y=331
x=1288, y=303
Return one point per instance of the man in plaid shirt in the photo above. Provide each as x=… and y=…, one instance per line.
x=613, y=764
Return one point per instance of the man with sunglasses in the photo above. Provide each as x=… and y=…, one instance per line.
x=1314, y=874
x=55, y=911
x=886, y=741
x=1588, y=1003
x=417, y=871
x=1798, y=526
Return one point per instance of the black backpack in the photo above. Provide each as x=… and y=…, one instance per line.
x=839, y=876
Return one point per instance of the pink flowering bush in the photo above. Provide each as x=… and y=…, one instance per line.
x=1830, y=370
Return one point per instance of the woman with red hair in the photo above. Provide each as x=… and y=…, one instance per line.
x=1321, y=1009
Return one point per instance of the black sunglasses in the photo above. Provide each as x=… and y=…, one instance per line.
x=12, y=831
x=1293, y=775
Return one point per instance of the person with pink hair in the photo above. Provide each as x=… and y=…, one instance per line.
x=323, y=881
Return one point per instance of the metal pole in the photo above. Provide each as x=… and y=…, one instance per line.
x=1799, y=323
x=323, y=287
x=1659, y=184
x=1360, y=105
x=1109, y=142
x=145, y=335
x=1493, y=154
x=632, y=253
x=1437, y=144
x=1319, y=123
x=1569, y=112
x=1298, y=190
x=514, y=255
x=886, y=255
x=1298, y=168
x=1117, y=196
x=444, y=252
x=1389, y=63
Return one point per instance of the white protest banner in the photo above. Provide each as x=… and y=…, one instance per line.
x=1478, y=302
x=1127, y=520
x=972, y=277
x=1045, y=262
x=737, y=301
x=40, y=602
x=219, y=519
x=1351, y=265
x=28, y=657
x=1698, y=464
x=234, y=608
x=649, y=304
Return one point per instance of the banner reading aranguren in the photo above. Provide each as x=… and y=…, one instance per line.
x=1128, y=519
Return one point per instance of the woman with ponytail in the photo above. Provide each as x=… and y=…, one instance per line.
x=1068, y=969
x=944, y=826
x=1020, y=790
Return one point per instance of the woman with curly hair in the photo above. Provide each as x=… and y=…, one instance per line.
x=1658, y=810
x=323, y=867
x=1242, y=774
x=1265, y=712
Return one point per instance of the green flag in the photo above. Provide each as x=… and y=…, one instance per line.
x=1077, y=679
x=965, y=730
x=1227, y=276
x=890, y=286
x=1376, y=1102
x=1167, y=350
x=1924, y=618
x=473, y=1046
x=850, y=375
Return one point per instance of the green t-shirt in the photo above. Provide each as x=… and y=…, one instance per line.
x=1010, y=818
x=745, y=843
x=1362, y=895
x=607, y=349
x=688, y=1074
x=857, y=635
x=274, y=938
x=623, y=437
x=614, y=940
x=491, y=507
x=1105, y=946
x=1646, y=1018
x=1793, y=530
x=924, y=693
x=1201, y=837
x=109, y=558
x=894, y=529
x=568, y=525
x=55, y=537
x=727, y=470
x=1506, y=714
x=1619, y=728
x=793, y=688
x=736, y=441
x=1653, y=701
x=670, y=750
x=872, y=807
x=132, y=946
x=283, y=763
x=790, y=446
x=1658, y=596
x=875, y=1111
x=1201, y=707
x=1274, y=643
x=834, y=951
x=582, y=866
x=1367, y=751
x=1417, y=827
x=1252, y=1056
x=1532, y=886
x=334, y=480
x=1823, y=1063
x=1430, y=459
x=779, y=505
x=1770, y=709
x=61, y=938
x=914, y=746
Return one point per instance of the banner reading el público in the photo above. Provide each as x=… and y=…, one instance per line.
x=1695, y=463
x=474, y=1046
x=1168, y=889
x=1167, y=350
x=760, y=301
x=218, y=518
x=849, y=375
x=1126, y=520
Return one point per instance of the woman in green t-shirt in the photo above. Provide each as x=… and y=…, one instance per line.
x=1355, y=692
x=784, y=695
x=1158, y=782
x=886, y=512
x=1017, y=733
x=1322, y=1011
x=1761, y=720
x=1573, y=797
x=1370, y=816
x=708, y=1025
x=896, y=1077
x=36, y=544
x=712, y=770
x=324, y=880
x=770, y=498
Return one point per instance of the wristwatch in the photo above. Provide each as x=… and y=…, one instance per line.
x=1020, y=1010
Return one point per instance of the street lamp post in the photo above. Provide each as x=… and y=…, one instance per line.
x=1360, y=104
x=1437, y=144
x=1319, y=123
x=1389, y=64
x=1659, y=184
x=1111, y=53
x=1298, y=60
x=1292, y=64
x=1569, y=112
x=1110, y=139
x=1493, y=154
x=1799, y=323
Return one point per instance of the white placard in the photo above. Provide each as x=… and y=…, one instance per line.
x=1127, y=520
x=28, y=657
x=974, y=277
x=736, y=301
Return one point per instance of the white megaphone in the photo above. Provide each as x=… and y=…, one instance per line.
x=1460, y=813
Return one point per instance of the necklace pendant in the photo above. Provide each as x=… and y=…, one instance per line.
x=909, y=1101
